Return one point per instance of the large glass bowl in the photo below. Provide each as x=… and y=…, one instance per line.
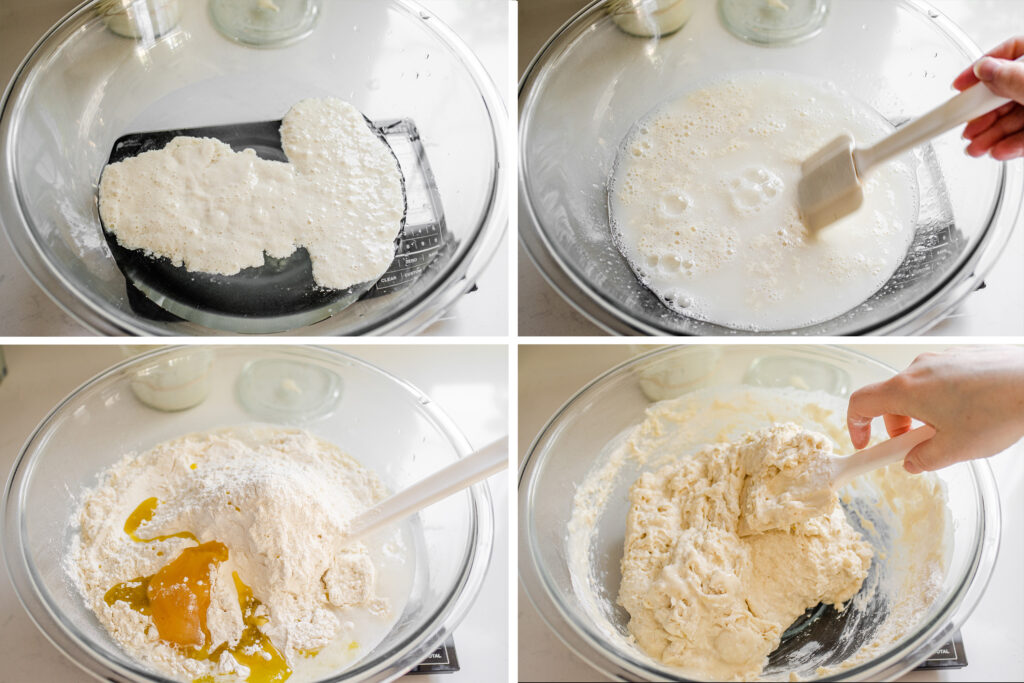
x=568, y=447
x=385, y=423
x=83, y=86
x=592, y=81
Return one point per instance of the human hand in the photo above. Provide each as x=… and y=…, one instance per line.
x=1001, y=131
x=973, y=397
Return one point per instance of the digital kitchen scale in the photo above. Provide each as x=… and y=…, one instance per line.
x=443, y=660
x=950, y=656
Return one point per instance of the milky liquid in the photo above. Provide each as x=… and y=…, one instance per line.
x=703, y=204
x=362, y=630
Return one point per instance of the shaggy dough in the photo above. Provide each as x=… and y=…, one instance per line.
x=703, y=598
x=787, y=480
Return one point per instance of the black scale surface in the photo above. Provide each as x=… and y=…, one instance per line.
x=278, y=287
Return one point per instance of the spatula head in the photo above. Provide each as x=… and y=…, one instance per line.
x=829, y=187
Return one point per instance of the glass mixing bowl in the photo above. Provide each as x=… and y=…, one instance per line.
x=566, y=450
x=385, y=423
x=591, y=82
x=83, y=86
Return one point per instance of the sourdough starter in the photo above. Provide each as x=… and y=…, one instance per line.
x=703, y=205
x=204, y=206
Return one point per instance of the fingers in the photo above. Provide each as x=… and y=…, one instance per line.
x=1009, y=148
x=979, y=125
x=1009, y=49
x=1004, y=78
x=866, y=404
x=929, y=456
x=897, y=424
x=917, y=458
x=965, y=79
x=1004, y=127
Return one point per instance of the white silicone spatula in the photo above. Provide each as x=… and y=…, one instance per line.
x=461, y=474
x=846, y=469
x=831, y=184
x=775, y=499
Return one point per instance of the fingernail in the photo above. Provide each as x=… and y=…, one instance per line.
x=911, y=467
x=985, y=69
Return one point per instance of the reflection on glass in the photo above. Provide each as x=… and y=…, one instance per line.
x=649, y=18
x=289, y=390
x=809, y=374
x=176, y=381
x=773, y=22
x=142, y=19
x=265, y=23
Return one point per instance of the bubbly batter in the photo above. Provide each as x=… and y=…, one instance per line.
x=702, y=597
x=213, y=210
x=703, y=205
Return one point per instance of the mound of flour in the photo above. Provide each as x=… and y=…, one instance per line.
x=279, y=499
x=204, y=206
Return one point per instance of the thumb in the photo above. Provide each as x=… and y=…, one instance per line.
x=1004, y=77
x=930, y=455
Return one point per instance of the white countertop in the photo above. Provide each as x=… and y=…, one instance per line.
x=993, y=635
x=469, y=382
x=25, y=310
x=995, y=310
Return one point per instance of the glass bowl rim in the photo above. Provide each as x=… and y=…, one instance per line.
x=396, y=659
x=588, y=644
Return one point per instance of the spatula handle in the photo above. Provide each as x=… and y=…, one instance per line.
x=970, y=104
x=461, y=474
x=885, y=453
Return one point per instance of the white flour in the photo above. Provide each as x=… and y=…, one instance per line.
x=279, y=500
x=213, y=210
